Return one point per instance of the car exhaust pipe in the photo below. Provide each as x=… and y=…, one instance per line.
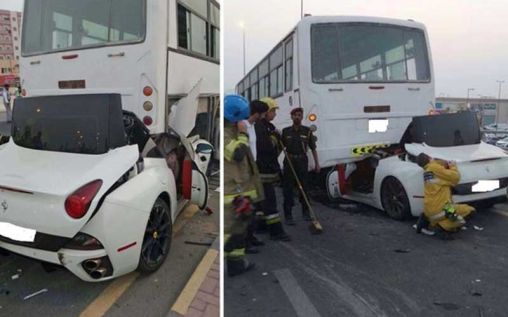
x=99, y=273
x=92, y=265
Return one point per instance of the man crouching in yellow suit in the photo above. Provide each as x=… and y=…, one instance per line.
x=439, y=178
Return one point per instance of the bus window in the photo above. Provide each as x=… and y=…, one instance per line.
x=55, y=25
x=368, y=52
x=276, y=72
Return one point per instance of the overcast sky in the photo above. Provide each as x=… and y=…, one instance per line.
x=12, y=5
x=468, y=38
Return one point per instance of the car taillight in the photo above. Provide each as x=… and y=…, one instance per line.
x=77, y=204
x=147, y=91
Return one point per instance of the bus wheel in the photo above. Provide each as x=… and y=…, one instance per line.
x=157, y=239
x=394, y=199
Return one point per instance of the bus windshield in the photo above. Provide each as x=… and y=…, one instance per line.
x=368, y=52
x=59, y=25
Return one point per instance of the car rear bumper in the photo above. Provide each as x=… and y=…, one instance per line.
x=501, y=192
x=70, y=259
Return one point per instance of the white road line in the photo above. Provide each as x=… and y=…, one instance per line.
x=295, y=294
x=500, y=212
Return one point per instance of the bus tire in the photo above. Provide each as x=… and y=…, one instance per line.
x=394, y=199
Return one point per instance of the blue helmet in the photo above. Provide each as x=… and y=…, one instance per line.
x=236, y=108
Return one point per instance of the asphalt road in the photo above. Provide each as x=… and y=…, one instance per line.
x=365, y=264
x=132, y=295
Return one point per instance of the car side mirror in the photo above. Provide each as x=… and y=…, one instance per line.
x=203, y=148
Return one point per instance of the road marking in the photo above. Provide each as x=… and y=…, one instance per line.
x=116, y=289
x=109, y=296
x=301, y=303
x=500, y=212
x=190, y=290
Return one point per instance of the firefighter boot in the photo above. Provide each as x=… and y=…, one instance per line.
x=238, y=266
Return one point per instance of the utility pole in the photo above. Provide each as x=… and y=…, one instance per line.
x=467, y=98
x=500, y=82
x=242, y=25
x=301, y=9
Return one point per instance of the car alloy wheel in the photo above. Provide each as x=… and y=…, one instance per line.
x=394, y=199
x=157, y=238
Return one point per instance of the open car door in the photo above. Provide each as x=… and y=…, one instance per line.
x=195, y=184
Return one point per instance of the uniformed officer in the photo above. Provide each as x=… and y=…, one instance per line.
x=297, y=139
x=242, y=186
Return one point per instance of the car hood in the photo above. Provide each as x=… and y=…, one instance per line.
x=42, y=181
x=463, y=153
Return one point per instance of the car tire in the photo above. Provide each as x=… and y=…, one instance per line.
x=157, y=238
x=394, y=199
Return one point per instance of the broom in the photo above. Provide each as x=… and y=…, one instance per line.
x=314, y=227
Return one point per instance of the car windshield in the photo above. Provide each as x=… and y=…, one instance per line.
x=368, y=52
x=445, y=130
x=84, y=124
x=58, y=25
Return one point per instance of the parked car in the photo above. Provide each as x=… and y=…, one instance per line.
x=503, y=143
x=83, y=185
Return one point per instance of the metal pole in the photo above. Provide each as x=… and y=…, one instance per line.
x=467, y=99
x=301, y=9
x=243, y=50
x=500, y=82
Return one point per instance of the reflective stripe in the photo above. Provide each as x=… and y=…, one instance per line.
x=367, y=149
x=231, y=147
x=236, y=253
x=437, y=217
x=269, y=177
x=272, y=219
x=252, y=194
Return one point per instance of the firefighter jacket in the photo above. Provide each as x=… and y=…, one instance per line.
x=438, y=182
x=268, y=150
x=241, y=177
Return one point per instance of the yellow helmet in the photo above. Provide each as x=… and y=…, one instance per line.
x=272, y=104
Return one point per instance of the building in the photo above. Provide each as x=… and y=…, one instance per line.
x=489, y=110
x=10, y=46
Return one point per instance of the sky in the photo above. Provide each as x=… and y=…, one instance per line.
x=12, y=5
x=468, y=38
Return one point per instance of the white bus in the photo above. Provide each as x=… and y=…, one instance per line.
x=361, y=82
x=153, y=53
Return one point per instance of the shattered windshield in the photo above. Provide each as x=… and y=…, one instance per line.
x=444, y=130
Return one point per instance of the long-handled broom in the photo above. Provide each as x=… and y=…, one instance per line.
x=314, y=227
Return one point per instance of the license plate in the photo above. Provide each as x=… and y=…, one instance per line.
x=17, y=233
x=485, y=186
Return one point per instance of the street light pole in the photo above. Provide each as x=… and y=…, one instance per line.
x=500, y=82
x=467, y=99
x=242, y=25
x=301, y=9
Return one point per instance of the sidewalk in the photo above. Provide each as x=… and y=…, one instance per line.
x=201, y=295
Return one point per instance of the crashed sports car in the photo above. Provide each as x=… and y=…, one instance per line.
x=390, y=179
x=83, y=185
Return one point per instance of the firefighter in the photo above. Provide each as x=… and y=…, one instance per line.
x=439, y=210
x=268, y=151
x=297, y=139
x=242, y=186
x=257, y=111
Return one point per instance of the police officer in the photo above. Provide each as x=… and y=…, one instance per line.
x=297, y=139
x=268, y=150
x=242, y=186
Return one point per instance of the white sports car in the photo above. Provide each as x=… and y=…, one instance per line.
x=83, y=185
x=392, y=181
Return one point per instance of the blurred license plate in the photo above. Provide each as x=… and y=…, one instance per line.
x=17, y=233
x=485, y=186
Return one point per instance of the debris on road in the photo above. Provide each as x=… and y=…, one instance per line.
x=475, y=293
x=264, y=273
x=478, y=228
x=447, y=306
x=44, y=290
x=402, y=250
x=15, y=277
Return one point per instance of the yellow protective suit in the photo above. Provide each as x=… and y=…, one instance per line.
x=439, y=180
